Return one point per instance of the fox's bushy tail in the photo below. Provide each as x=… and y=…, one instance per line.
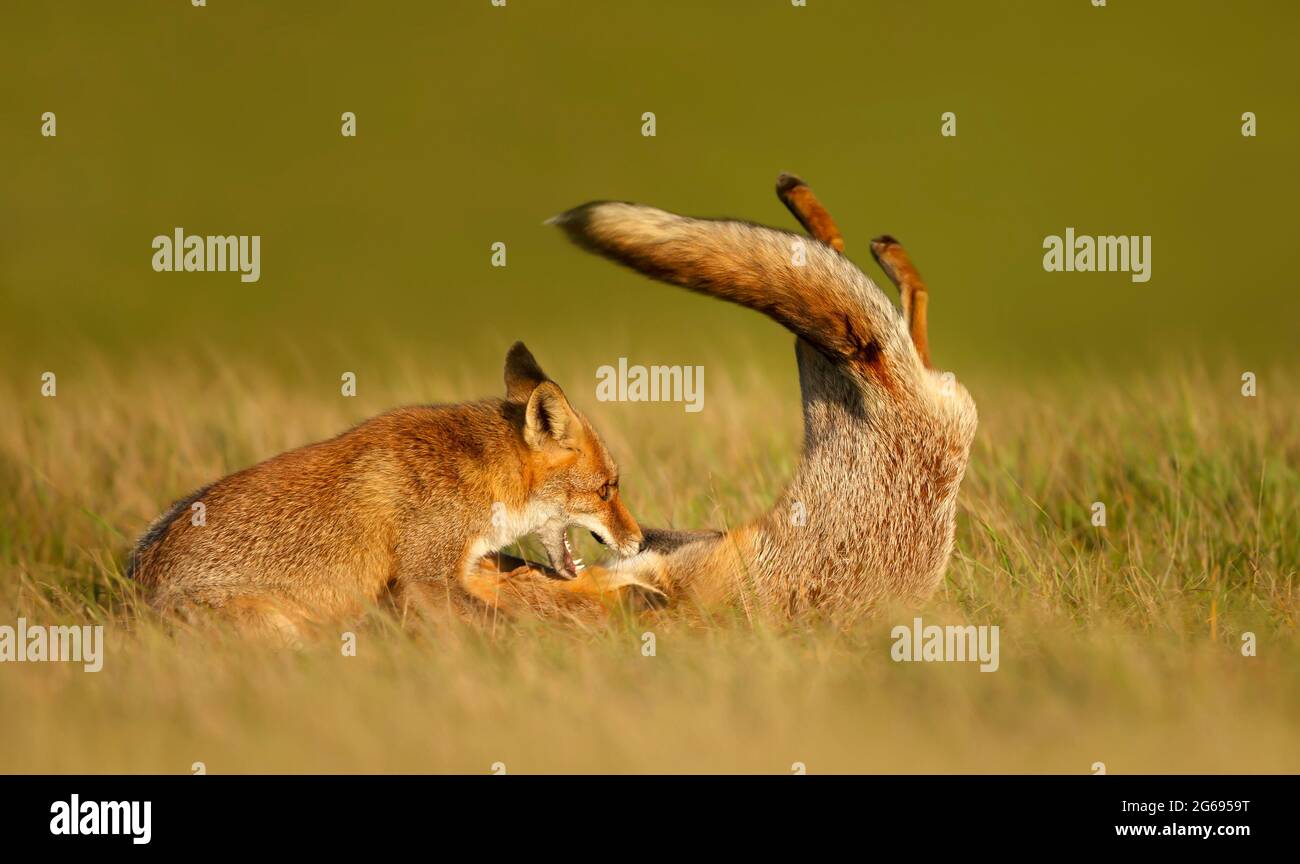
x=805, y=285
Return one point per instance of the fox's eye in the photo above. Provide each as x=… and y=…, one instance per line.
x=604, y=492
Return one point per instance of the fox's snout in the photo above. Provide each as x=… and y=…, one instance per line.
x=620, y=531
x=627, y=548
x=630, y=541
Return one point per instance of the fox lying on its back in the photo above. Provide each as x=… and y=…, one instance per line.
x=409, y=501
x=870, y=513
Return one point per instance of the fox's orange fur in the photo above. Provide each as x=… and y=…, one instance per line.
x=870, y=511
x=409, y=502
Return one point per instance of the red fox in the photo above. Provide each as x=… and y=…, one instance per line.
x=870, y=512
x=407, y=502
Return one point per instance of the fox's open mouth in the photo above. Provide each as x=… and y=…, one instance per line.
x=555, y=540
x=559, y=548
x=571, y=566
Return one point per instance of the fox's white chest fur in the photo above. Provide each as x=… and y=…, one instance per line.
x=507, y=526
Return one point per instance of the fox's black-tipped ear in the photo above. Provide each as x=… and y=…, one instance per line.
x=522, y=374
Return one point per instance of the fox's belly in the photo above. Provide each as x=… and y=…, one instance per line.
x=850, y=563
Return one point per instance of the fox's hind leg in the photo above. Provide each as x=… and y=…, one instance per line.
x=889, y=254
x=897, y=264
x=259, y=618
x=265, y=619
x=816, y=220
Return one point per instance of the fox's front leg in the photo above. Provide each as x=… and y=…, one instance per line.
x=477, y=589
x=418, y=600
x=516, y=592
x=513, y=586
x=636, y=586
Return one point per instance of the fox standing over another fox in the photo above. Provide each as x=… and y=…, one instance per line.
x=408, y=502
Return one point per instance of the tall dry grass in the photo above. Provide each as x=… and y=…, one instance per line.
x=1118, y=645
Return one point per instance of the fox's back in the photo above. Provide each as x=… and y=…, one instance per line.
x=325, y=518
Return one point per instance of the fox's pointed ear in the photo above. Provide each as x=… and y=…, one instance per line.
x=549, y=419
x=522, y=374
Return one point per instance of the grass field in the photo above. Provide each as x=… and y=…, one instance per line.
x=1119, y=645
x=474, y=123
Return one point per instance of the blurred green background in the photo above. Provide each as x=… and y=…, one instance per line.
x=476, y=123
